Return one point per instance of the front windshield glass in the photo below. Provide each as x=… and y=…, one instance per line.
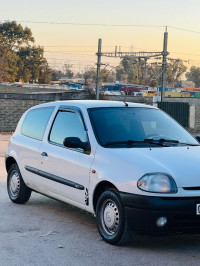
x=119, y=126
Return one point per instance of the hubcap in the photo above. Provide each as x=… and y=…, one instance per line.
x=14, y=184
x=110, y=217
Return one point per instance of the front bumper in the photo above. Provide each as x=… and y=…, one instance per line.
x=143, y=211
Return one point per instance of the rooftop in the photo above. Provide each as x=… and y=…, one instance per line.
x=94, y=104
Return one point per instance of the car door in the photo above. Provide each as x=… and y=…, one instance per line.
x=27, y=141
x=66, y=170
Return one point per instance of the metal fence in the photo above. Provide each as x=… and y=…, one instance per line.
x=179, y=111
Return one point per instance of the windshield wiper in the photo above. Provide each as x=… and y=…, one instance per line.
x=169, y=141
x=162, y=140
x=130, y=142
x=156, y=142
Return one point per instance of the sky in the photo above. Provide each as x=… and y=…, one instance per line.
x=69, y=29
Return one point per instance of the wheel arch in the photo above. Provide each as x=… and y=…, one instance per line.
x=9, y=161
x=100, y=188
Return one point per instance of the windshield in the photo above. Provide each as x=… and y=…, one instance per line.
x=122, y=126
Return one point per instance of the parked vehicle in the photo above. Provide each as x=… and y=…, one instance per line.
x=17, y=84
x=131, y=165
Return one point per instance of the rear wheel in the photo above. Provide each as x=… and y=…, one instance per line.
x=111, y=218
x=17, y=190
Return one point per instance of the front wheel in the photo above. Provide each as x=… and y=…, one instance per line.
x=17, y=190
x=111, y=218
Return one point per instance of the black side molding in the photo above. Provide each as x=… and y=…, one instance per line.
x=54, y=178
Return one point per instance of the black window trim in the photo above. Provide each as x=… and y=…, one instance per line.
x=28, y=111
x=78, y=112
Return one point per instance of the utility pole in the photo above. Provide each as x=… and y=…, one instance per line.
x=138, y=56
x=145, y=68
x=138, y=69
x=164, y=66
x=115, y=51
x=98, y=68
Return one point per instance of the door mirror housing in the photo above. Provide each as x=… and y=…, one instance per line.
x=74, y=142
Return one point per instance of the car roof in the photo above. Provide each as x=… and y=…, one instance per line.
x=92, y=104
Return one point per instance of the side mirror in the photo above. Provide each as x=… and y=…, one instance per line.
x=197, y=138
x=74, y=142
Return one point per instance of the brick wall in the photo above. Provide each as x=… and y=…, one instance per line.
x=12, y=106
x=11, y=110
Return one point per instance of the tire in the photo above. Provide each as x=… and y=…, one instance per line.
x=111, y=218
x=18, y=192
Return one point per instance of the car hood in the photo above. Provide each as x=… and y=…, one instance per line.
x=181, y=162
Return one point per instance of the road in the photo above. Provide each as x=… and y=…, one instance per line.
x=47, y=232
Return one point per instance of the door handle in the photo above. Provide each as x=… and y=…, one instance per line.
x=44, y=154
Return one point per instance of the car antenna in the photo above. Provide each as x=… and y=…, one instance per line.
x=126, y=104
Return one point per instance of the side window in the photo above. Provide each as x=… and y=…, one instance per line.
x=67, y=124
x=35, y=122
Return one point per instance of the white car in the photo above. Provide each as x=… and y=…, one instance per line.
x=131, y=165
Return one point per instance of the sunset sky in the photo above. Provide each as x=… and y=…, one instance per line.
x=128, y=23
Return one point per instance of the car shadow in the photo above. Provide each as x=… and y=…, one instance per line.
x=166, y=243
x=67, y=213
x=61, y=209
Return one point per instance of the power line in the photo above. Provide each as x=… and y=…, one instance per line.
x=54, y=51
x=175, y=28
x=75, y=46
x=65, y=52
x=103, y=25
x=81, y=51
x=75, y=67
x=184, y=53
x=86, y=24
x=69, y=53
x=64, y=59
x=67, y=59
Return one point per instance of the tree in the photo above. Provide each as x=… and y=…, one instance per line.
x=106, y=75
x=129, y=66
x=32, y=63
x=175, y=70
x=90, y=75
x=45, y=74
x=24, y=60
x=131, y=72
x=194, y=75
x=79, y=75
x=8, y=65
x=67, y=71
x=121, y=74
x=56, y=74
x=13, y=35
x=153, y=83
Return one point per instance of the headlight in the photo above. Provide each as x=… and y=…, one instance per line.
x=157, y=183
